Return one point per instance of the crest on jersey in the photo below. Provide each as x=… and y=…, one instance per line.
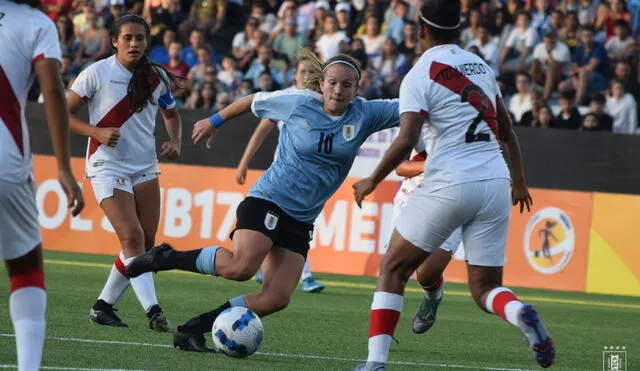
x=270, y=220
x=549, y=240
x=348, y=131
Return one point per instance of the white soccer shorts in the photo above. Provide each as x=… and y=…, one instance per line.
x=400, y=201
x=481, y=208
x=19, y=226
x=104, y=184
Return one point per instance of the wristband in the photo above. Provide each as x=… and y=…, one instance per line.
x=216, y=121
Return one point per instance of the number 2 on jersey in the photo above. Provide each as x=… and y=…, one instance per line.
x=470, y=94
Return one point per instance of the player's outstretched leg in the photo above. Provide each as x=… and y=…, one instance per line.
x=281, y=273
x=490, y=295
x=396, y=267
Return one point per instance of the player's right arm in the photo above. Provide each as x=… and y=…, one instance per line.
x=519, y=190
x=47, y=71
x=264, y=128
x=106, y=136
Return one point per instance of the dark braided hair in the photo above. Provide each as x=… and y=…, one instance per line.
x=146, y=72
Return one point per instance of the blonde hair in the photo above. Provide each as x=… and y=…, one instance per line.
x=317, y=67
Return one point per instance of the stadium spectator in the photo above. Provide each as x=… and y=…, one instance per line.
x=345, y=21
x=94, y=43
x=591, y=122
x=205, y=65
x=569, y=117
x=501, y=28
x=551, y=62
x=67, y=38
x=388, y=66
x=470, y=33
x=329, y=44
x=623, y=108
x=590, y=71
x=621, y=46
x=622, y=71
x=245, y=88
x=570, y=33
x=164, y=17
x=587, y=12
x=487, y=47
x=322, y=9
x=597, y=108
x=372, y=39
x=290, y=41
x=409, y=45
x=545, y=119
x=556, y=21
x=160, y=53
x=267, y=83
x=395, y=26
x=610, y=13
x=264, y=62
x=80, y=23
x=113, y=13
x=244, y=44
x=202, y=98
x=177, y=67
x=190, y=52
x=522, y=101
x=516, y=55
x=541, y=16
x=229, y=75
x=56, y=8
x=537, y=102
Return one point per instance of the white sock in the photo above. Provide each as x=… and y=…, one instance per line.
x=385, y=313
x=28, y=306
x=143, y=287
x=116, y=284
x=306, y=270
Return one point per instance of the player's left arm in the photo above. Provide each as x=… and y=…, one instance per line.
x=519, y=190
x=173, y=122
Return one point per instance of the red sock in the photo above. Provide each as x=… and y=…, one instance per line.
x=504, y=303
x=385, y=314
x=435, y=286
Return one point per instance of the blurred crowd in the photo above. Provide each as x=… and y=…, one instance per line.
x=567, y=64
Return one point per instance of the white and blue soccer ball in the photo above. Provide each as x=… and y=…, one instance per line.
x=237, y=332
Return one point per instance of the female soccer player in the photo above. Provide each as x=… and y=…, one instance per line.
x=123, y=93
x=324, y=127
x=302, y=70
x=28, y=52
x=466, y=184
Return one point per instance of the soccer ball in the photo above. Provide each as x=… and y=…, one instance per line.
x=237, y=332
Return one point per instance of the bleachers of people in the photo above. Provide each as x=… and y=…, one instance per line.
x=577, y=61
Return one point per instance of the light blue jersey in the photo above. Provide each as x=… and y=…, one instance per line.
x=315, y=150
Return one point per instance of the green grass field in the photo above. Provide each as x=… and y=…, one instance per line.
x=325, y=331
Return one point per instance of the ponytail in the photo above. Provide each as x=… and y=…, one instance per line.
x=317, y=67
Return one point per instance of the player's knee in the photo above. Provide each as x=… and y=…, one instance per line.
x=132, y=238
x=238, y=272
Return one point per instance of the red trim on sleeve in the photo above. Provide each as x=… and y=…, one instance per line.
x=37, y=59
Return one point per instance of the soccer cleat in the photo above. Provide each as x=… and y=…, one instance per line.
x=310, y=285
x=259, y=276
x=158, y=320
x=105, y=315
x=426, y=315
x=371, y=366
x=537, y=336
x=153, y=260
x=190, y=342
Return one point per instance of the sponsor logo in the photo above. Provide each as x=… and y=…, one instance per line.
x=549, y=240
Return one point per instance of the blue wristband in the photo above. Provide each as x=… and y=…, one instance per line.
x=216, y=121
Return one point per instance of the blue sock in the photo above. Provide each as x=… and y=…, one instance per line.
x=206, y=262
x=238, y=301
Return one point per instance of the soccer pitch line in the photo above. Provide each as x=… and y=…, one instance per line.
x=266, y=354
x=69, y=368
x=371, y=287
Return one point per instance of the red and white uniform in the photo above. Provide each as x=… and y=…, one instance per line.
x=466, y=180
x=26, y=35
x=133, y=160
